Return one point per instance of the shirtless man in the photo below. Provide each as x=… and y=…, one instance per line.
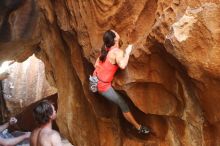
x=44, y=113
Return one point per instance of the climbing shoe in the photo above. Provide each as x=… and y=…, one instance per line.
x=143, y=130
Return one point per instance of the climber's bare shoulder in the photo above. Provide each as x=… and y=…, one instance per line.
x=114, y=55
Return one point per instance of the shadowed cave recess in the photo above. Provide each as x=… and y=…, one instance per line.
x=171, y=82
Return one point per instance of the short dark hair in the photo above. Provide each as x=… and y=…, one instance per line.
x=42, y=112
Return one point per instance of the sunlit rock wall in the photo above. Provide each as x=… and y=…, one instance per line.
x=25, y=84
x=171, y=82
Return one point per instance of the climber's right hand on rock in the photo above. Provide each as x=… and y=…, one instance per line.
x=129, y=49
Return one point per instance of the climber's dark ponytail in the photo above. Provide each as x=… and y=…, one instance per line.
x=104, y=53
x=109, y=41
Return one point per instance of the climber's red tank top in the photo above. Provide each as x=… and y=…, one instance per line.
x=105, y=72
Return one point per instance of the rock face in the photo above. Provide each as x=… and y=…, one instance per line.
x=25, y=84
x=171, y=82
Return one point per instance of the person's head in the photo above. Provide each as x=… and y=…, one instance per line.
x=110, y=38
x=44, y=112
x=117, y=39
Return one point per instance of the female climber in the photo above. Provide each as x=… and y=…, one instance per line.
x=106, y=65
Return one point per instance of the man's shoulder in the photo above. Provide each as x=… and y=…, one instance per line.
x=55, y=138
x=35, y=132
x=34, y=135
x=49, y=136
x=54, y=133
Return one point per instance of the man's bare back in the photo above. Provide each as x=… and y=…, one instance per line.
x=33, y=138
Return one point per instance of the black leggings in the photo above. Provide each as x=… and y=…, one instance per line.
x=113, y=96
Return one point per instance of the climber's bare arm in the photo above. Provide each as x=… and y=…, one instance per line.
x=96, y=63
x=123, y=57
